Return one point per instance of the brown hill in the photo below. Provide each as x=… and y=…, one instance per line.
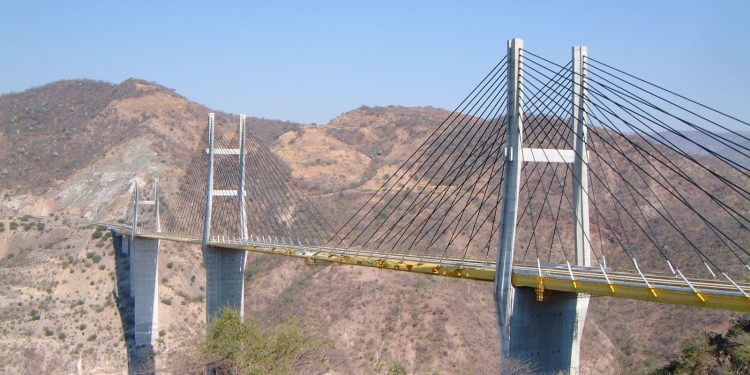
x=71, y=150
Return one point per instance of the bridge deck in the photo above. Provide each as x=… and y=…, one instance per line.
x=669, y=289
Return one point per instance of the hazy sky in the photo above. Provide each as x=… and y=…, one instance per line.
x=309, y=61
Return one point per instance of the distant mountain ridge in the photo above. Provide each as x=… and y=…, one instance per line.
x=48, y=132
x=697, y=143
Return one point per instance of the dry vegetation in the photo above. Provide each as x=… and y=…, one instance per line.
x=71, y=149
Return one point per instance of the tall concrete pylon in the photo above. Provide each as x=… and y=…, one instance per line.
x=144, y=273
x=543, y=330
x=225, y=268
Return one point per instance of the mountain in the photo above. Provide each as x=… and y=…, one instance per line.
x=70, y=151
x=731, y=145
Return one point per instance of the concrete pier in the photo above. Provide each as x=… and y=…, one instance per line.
x=225, y=279
x=546, y=333
x=144, y=288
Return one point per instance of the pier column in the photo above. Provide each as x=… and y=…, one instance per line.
x=144, y=286
x=225, y=279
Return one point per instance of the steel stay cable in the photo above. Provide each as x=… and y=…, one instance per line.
x=544, y=202
x=563, y=137
x=291, y=187
x=423, y=150
x=309, y=228
x=677, y=171
x=664, y=89
x=452, y=172
x=618, y=90
x=496, y=157
x=273, y=168
x=558, y=106
x=265, y=195
x=476, y=213
x=673, y=225
x=258, y=195
x=674, y=192
x=475, y=229
x=606, y=186
x=499, y=199
x=187, y=188
x=687, y=239
x=668, y=143
x=474, y=168
x=672, y=189
x=411, y=188
x=259, y=179
x=225, y=169
x=617, y=171
x=531, y=101
x=267, y=178
x=420, y=150
x=547, y=122
x=620, y=93
x=628, y=212
x=563, y=184
x=679, y=151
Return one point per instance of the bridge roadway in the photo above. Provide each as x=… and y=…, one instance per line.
x=718, y=293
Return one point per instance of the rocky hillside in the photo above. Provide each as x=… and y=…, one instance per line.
x=70, y=152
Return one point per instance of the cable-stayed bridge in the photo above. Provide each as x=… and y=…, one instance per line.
x=554, y=181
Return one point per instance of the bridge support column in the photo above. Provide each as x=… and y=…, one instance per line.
x=225, y=279
x=144, y=287
x=544, y=333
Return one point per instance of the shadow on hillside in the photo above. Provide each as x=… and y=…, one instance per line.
x=140, y=359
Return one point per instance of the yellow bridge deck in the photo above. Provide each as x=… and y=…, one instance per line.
x=718, y=294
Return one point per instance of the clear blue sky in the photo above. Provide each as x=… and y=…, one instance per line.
x=309, y=61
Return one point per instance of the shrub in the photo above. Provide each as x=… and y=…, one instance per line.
x=48, y=332
x=62, y=336
x=396, y=368
x=248, y=347
x=91, y=338
x=709, y=354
